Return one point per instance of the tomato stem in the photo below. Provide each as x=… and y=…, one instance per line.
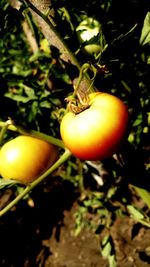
x=79, y=100
x=21, y=130
x=79, y=89
x=81, y=177
x=30, y=187
x=4, y=130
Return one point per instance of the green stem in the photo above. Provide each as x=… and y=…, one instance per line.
x=82, y=91
x=144, y=223
x=127, y=88
x=47, y=138
x=29, y=187
x=4, y=130
x=83, y=69
x=81, y=177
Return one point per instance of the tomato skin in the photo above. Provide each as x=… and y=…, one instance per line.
x=97, y=132
x=24, y=158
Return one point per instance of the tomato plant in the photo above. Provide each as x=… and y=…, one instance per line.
x=98, y=131
x=24, y=158
x=86, y=31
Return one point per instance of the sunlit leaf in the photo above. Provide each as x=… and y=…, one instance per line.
x=138, y=120
x=112, y=261
x=135, y=212
x=7, y=183
x=29, y=92
x=106, y=249
x=145, y=34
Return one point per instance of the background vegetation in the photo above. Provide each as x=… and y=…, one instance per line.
x=34, y=81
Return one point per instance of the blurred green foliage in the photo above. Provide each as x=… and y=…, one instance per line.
x=33, y=87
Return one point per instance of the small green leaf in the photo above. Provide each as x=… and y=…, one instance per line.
x=138, y=120
x=18, y=98
x=145, y=34
x=45, y=104
x=66, y=16
x=7, y=183
x=135, y=213
x=106, y=251
x=29, y=92
x=144, y=194
x=17, y=70
x=112, y=261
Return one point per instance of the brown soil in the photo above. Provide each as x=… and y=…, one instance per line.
x=132, y=245
x=43, y=235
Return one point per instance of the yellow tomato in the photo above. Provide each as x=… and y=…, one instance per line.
x=98, y=131
x=24, y=158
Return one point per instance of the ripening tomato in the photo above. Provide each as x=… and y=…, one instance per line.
x=24, y=158
x=97, y=132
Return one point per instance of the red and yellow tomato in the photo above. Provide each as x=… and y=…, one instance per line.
x=97, y=132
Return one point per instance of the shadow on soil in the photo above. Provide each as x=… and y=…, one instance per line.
x=23, y=229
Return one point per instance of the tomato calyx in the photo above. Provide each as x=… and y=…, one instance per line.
x=79, y=100
x=78, y=103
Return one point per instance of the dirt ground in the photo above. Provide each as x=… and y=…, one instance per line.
x=40, y=233
x=84, y=250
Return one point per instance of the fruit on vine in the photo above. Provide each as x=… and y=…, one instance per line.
x=98, y=131
x=24, y=158
x=88, y=29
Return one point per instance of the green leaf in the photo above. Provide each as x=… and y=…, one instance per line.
x=65, y=16
x=29, y=92
x=145, y=34
x=135, y=213
x=45, y=104
x=7, y=183
x=138, y=120
x=17, y=69
x=38, y=55
x=108, y=251
x=112, y=261
x=19, y=98
x=144, y=194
